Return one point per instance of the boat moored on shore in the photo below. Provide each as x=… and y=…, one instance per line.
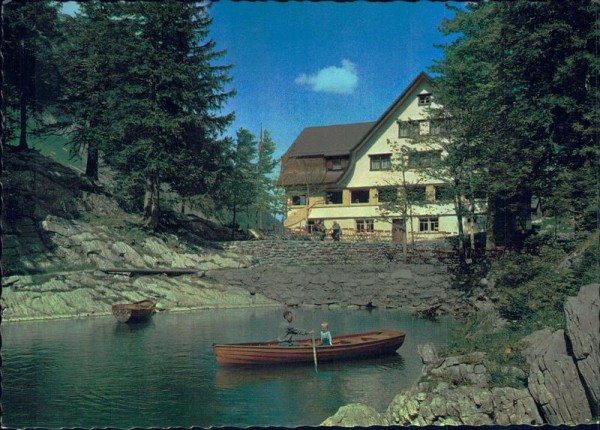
x=134, y=312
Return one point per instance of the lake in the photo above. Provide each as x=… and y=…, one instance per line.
x=96, y=372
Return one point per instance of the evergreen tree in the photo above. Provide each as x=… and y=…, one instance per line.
x=278, y=203
x=169, y=125
x=265, y=197
x=241, y=183
x=518, y=83
x=94, y=56
x=30, y=34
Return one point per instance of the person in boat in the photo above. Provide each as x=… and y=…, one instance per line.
x=287, y=330
x=325, y=334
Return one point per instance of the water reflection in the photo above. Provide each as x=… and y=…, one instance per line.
x=98, y=372
x=235, y=377
x=138, y=327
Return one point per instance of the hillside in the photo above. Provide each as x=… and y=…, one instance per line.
x=61, y=229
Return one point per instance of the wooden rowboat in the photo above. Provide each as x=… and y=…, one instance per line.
x=345, y=347
x=134, y=312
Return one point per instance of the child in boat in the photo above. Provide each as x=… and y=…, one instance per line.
x=325, y=334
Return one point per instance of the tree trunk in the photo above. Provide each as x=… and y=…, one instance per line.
x=247, y=217
x=23, y=122
x=404, y=240
x=490, y=239
x=233, y=221
x=458, y=208
x=155, y=213
x=148, y=199
x=22, y=100
x=522, y=224
x=91, y=167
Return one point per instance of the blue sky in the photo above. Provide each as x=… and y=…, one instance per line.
x=301, y=64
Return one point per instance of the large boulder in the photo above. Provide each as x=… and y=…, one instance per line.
x=428, y=354
x=468, y=368
x=553, y=379
x=583, y=329
x=446, y=404
x=353, y=415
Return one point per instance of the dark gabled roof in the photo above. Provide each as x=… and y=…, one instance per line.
x=304, y=161
x=328, y=140
x=421, y=77
x=305, y=171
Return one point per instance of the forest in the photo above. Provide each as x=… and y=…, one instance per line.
x=140, y=87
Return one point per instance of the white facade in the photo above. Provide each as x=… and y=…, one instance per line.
x=429, y=218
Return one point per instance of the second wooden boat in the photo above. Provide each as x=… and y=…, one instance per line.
x=345, y=347
x=134, y=312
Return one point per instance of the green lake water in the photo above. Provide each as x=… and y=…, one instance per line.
x=96, y=372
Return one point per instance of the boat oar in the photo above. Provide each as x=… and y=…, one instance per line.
x=314, y=352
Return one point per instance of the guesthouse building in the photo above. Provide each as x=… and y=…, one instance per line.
x=373, y=178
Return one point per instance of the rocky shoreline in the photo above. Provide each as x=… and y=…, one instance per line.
x=89, y=291
x=561, y=385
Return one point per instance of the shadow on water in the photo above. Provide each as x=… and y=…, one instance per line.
x=137, y=327
x=235, y=377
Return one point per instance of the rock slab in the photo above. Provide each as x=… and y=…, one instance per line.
x=554, y=380
x=583, y=329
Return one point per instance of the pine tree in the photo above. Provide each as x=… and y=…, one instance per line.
x=94, y=57
x=265, y=197
x=516, y=84
x=241, y=183
x=30, y=34
x=169, y=126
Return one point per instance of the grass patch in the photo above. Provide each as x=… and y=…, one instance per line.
x=531, y=289
x=529, y=292
x=501, y=345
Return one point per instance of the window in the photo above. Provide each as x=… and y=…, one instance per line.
x=429, y=224
x=365, y=226
x=413, y=128
x=359, y=196
x=436, y=128
x=424, y=99
x=387, y=195
x=416, y=194
x=333, y=198
x=418, y=159
x=406, y=129
x=299, y=200
x=381, y=162
x=334, y=164
x=443, y=193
